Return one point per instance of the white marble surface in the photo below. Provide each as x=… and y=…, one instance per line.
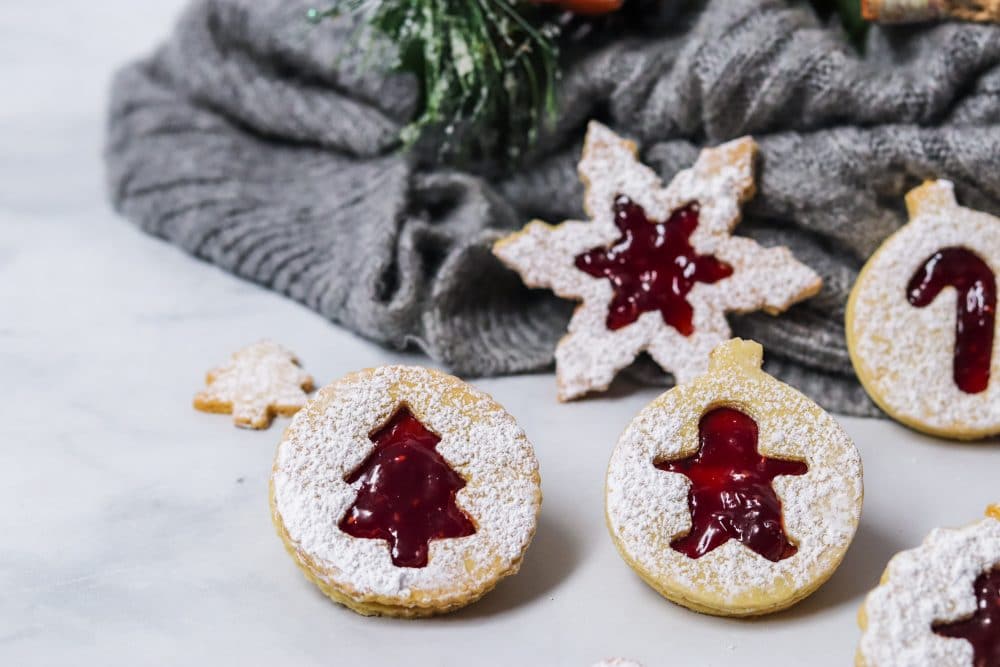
x=135, y=531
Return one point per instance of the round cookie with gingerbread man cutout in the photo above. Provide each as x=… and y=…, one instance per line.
x=921, y=318
x=734, y=494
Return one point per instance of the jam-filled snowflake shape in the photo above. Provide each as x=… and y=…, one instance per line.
x=656, y=268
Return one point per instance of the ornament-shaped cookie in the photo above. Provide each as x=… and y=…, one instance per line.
x=734, y=494
x=938, y=604
x=656, y=268
x=921, y=319
x=403, y=491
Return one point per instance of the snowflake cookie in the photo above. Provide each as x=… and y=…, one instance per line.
x=656, y=268
x=734, y=494
x=938, y=604
x=260, y=381
x=921, y=318
x=402, y=491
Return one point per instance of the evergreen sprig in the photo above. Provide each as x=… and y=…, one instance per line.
x=486, y=68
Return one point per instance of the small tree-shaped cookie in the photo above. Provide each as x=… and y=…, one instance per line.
x=260, y=381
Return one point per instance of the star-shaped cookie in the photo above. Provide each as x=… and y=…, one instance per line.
x=260, y=381
x=656, y=268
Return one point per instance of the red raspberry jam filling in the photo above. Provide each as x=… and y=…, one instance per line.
x=731, y=495
x=407, y=494
x=977, y=307
x=652, y=266
x=982, y=630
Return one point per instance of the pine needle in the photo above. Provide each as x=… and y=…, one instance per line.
x=486, y=69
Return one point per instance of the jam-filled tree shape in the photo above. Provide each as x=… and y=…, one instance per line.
x=734, y=494
x=938, y=604
x=407, y=494
x=921, y=319
x=656, y=268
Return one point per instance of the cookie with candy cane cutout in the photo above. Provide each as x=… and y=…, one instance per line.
x=921, y=318
x=403, y=491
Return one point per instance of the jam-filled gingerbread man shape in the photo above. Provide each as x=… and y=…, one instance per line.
x=656, y=268
x=921, y=319
x=734, y=494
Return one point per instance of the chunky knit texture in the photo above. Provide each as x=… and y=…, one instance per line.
x=255, y=141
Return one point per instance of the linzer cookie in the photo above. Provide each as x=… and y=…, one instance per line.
x=402, y=491
x=921, y=319
x=260, y=381
x=655, y=268
x=734, y=494
x=938, y=604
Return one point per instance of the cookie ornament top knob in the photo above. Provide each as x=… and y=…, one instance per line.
x=734, y=494
x=921, y=318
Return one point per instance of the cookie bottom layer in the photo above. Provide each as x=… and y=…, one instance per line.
x=370, y=606
x=762, y=606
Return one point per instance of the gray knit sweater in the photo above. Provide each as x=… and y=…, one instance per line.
x=254, y=141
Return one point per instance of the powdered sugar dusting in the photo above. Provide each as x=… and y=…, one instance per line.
x=904, y=354
x=722, y=178
x=260, y=380
x=930, y=584
x=616, y=662
x=647, y=508
x=329, y=439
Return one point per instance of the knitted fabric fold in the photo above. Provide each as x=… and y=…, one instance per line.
x=262, y=144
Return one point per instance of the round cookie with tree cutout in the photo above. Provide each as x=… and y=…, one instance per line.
x=402, y=491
